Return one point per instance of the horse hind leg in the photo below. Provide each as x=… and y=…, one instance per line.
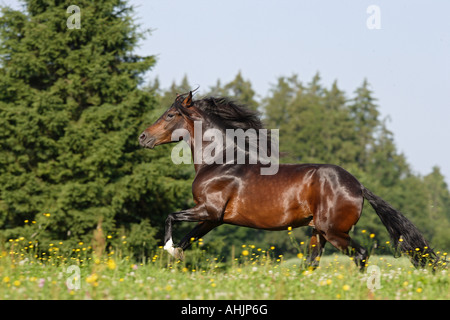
x=315, y=249
x=343, y=242
x=335, y=230
x=335, y=223
x=360, y=255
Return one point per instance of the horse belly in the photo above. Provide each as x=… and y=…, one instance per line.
x=269, y=207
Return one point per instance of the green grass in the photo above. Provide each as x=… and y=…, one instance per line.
x=254, y=274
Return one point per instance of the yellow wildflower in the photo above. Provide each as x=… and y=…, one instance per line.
x=111, y=264
x=92, y=278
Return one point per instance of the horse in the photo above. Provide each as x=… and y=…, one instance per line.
x=323, y=196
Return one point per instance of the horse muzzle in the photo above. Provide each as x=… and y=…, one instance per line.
x=146, y=140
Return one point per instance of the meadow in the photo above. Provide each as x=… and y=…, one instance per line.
x=254, y=273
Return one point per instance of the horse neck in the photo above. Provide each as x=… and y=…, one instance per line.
x=198, y=144
x=201, y=137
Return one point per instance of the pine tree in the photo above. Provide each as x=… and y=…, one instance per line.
x=314, y=122
x=438, y=205
x=365, y=115
x=282, y=110
x=70, y=114
x=166, y=97
x=242, y=91
x=238, y=89
x=281, y=96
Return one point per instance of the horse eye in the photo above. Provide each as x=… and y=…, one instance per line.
x=170, y=116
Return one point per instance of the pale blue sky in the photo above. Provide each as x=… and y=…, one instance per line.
x=407, y=61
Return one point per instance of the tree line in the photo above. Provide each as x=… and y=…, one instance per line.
x=73, y=102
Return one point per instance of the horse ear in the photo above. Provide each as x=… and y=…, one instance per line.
x=187, y=102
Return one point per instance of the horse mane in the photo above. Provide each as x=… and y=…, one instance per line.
x=228, y=114
x=225, y=113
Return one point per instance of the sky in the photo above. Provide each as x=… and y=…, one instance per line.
x=401, y=47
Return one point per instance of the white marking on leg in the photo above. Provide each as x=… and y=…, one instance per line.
x=169, y=247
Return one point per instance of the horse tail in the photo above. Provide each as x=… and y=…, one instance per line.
x=403, y=233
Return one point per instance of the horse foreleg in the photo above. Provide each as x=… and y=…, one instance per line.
x=199, y=231
x=198, y=213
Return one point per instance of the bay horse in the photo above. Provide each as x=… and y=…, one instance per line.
x=323, y=196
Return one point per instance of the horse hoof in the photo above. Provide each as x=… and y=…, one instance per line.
x=179, y=254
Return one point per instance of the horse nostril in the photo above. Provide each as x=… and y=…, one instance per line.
x=146, y=140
